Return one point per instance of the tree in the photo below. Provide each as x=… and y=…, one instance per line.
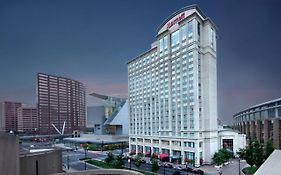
x=138, y=162
x=109, y=159
x=249, y=154
x=221, y=157
x=118, y=162
x=269, y=148
x=154, y=166
x=241, y=153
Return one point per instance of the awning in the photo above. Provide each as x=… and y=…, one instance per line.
x=147, y=152
x=133, y=151
x=161, y=156
x=175, y=157
x=139, y=151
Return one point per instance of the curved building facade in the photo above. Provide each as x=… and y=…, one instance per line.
x=61, y=104
x=261, y=122
x=173, y=91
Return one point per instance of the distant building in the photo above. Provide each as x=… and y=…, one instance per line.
x=111, y=116
x=60, y=100
x=9, y=116
x=261, y=122
x=27, y=120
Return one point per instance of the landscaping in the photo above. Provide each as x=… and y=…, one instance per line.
x=249, y=170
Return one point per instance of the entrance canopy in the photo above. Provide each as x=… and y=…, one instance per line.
x=161, y=156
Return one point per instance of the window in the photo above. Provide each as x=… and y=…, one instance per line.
x=212, y=37
x=175, y=38
x=183, y=32
x=165, y=42
x=190, y=30
x=161, y=45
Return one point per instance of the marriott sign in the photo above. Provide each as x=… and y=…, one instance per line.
x=175, y=21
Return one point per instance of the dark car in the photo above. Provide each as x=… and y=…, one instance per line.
x=177, y=172
x=169, y=166
x=199, y=171
x=188, y=169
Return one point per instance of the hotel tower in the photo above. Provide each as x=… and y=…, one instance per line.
x=173, y=91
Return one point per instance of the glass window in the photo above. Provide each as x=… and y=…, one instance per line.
x=212, y=37
x=190, y=30
x=183, y=32
x=175, y=38
x=161, y=45
x=165, y=42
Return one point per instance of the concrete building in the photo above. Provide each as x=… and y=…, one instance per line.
x=232, y=140
x=110, y=116
x=43, y=162
x=60, y=100
x=173, y=90
x=271, y=164
x=27, y=120
x=261, y=122
x=9, y=116
x=9, y=151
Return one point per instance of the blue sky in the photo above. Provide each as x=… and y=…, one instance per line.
x=91, y=41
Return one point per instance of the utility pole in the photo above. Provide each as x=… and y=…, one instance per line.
x=68, y=162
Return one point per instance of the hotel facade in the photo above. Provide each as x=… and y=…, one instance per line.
x=173, y=91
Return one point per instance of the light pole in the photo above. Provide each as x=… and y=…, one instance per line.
x=164, y=167
x=85, y=158
x=68, y=162
x=239, y=168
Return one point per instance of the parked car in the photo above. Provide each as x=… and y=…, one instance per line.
x=188, y=169
x=199, y=171
x=169, y=166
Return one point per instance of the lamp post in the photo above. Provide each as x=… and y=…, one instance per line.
x=67, y=161
x=85, y=158
x=129, y=161
x=164, y=165
x=239, y=168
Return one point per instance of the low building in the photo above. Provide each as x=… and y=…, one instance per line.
x=9, y=116
x=41, y=161
x=231, y=140
x=261, y=122
x=27, y=120
x=107, y=115
x=9, y=151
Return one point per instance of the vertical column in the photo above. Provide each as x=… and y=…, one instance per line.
x=182, y=153
x=170, y=150
x=258, y=130
x=252, y=132
x=276, y=133
x=143, y=146
x=266, y=133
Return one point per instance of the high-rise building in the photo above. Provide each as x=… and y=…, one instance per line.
x=9, y=116
x=173, y=90
x=60, y=100
x=27, y=119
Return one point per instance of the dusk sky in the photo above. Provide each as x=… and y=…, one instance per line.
x=91, y=41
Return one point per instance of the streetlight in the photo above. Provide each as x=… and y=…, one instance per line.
x=164, y=165
x=67, y=161
x=239, y=173
x=130, y=162
x=85, y=148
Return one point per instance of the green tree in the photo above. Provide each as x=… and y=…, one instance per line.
x=109, y=159
x=258, y=153
x=138, y=162
x=221, y=157
x=269, y=148
x=118, y=162
x=241, y=153
x=154, y=166
x=249, y=154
